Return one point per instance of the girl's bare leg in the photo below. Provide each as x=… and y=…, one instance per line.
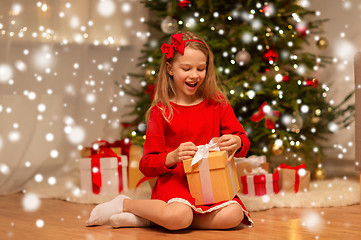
x=173, y=216
x=225, y=218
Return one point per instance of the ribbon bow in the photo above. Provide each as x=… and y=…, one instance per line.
x=203, y=151
x=123, y=144
x=177, y=45
x=283, y=165
x=270, y=124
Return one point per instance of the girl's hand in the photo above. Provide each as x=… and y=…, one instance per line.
x=230, y=143
x=184, y=151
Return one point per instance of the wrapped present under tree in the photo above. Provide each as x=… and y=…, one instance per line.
x=104, y=173
x=294, y=179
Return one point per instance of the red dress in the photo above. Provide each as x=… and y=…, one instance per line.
x=198, y=124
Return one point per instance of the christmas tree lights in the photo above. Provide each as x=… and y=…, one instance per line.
x=270, y=81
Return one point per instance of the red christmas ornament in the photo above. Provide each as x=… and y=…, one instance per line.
x=313, y=82
x=270, y=56
x=266, y=112
x=286, y=78
x=302, y=29
x=183, y=3
x=268, y=9
x=126, y=125
x=150, y=90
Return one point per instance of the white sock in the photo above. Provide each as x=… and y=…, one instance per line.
x=101, y=213
x=126, y=219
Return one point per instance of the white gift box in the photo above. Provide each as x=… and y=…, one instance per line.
x=109, y=176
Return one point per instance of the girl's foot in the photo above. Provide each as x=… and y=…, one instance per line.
x=102, y=212
x=126, y=219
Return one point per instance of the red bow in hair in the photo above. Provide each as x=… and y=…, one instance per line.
x=177, y=45
x=258, y=116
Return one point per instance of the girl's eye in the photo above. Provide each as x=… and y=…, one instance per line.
x=201, y=69
x=185, y=69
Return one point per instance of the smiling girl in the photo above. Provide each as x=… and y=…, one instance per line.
x=188, y=110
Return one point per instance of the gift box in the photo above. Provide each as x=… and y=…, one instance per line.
x=212, y=179
x=259, y=185
x=245, y=166
x=293, y=179
x=104, y=174
x=135, y=175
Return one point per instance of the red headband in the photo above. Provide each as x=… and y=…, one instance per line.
x=177, y=45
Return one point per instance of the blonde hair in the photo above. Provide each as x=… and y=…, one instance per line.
x=165, y=87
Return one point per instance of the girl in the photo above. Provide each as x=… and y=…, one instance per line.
x=188, y=110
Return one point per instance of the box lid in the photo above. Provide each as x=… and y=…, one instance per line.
x=216, y=160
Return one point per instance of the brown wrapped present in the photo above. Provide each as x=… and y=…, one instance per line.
x=294, y=179
x=135, y=154
x=212, y=179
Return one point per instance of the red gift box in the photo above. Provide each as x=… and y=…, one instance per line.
x=104, y=173
x=259, y=185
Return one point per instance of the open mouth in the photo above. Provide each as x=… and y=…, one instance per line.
x=191, y=84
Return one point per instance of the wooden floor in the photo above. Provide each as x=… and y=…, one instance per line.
x=64, y=220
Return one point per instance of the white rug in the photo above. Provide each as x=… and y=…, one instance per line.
x=325, y=193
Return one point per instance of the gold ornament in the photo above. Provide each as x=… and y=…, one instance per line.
x=320, y=173
x=322, y=43
x=148, y=72
x=277, y=149
x=315, y=119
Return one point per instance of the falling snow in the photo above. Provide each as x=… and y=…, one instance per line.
x=6, y=73
x=39, y=223
x=39, y=73
x=31, y=202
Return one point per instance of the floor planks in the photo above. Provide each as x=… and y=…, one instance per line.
x=65, y=220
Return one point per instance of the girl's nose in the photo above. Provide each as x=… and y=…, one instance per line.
x=194, y=74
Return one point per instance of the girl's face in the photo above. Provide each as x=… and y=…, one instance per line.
x=188, y=71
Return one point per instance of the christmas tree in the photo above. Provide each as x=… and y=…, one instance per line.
x=270, y=81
